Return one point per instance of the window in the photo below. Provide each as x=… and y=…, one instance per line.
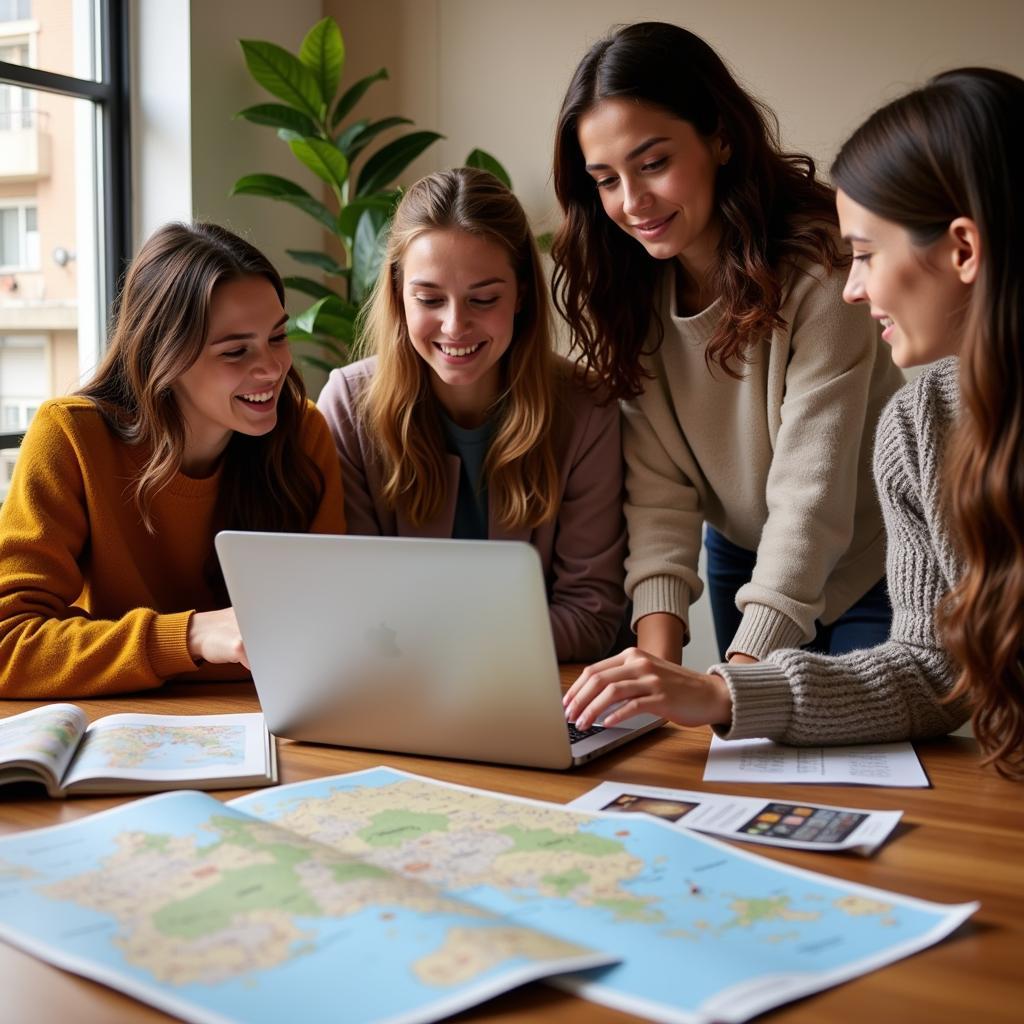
x=64, y=197
x=15, y=10
x=19, y=238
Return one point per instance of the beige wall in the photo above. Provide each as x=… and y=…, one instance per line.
x=491, y=74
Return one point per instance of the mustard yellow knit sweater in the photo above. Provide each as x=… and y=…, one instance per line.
x=90, y=602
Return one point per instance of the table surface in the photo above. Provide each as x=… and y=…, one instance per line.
x=961, y=840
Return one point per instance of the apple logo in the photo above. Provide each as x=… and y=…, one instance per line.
x=382, y=641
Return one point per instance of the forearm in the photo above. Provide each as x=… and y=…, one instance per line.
x=662, y=635
x=896, y=691
x=75, y=656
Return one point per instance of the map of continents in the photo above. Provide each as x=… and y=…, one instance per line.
x=709, y=919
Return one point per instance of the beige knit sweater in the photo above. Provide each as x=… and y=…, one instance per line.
x=894, y=691
x=779, y=462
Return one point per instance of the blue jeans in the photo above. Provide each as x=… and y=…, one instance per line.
x=865, y=624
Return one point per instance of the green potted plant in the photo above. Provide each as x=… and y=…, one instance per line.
x=318, y=126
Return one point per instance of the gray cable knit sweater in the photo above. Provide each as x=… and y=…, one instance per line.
x=894, y=691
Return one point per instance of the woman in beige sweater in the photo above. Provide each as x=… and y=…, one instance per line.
x=700, y=269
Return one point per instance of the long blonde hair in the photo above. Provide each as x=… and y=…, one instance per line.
x=399, y=405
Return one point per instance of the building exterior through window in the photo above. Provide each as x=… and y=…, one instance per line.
x=55, y=200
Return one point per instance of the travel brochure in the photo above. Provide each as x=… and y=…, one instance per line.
x=799, y=826
x=55, y=745
x=388, y=897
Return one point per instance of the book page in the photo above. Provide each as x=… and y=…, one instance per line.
x=171, y=749
x=44, y=738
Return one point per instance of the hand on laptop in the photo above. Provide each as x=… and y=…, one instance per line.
x=641, y=683
x=214, y=637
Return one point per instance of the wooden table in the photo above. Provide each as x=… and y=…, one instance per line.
x=961, y=840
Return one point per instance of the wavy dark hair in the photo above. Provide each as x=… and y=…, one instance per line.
x=773, y=210
x=954, y=149
x=158, y=330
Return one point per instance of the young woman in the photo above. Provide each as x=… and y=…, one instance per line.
x=464, y=424
x=698, y=266
x=929, y=197
x=194, y=422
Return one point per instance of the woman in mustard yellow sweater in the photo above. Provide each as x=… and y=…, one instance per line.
x=195, y=422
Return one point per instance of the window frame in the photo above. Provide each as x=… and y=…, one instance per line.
x=111, y=96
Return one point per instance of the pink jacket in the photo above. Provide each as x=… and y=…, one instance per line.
x=582, y=550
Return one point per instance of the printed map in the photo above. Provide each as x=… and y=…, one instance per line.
x=379, y=896
x=214, y=915
x=712, y=922
x=160, y=747
x=47, y=734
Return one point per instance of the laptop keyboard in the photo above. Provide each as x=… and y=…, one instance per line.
x=581, y=734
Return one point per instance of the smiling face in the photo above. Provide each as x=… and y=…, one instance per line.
x=460, y=297
x=919, y=295
x=655, y=175
x=236, y=381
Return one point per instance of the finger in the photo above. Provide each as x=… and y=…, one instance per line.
x=589, y=684
x=588, y=673
x=593, y=680
x=650, y=703
x=612, y=694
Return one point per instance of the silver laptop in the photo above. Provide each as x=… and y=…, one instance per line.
x=436, y=647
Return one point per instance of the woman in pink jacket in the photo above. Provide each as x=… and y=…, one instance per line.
x=464, y=424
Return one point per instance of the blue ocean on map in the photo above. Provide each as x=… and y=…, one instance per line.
x=165, y=748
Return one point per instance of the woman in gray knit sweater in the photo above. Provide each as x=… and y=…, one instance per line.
x=929, y=198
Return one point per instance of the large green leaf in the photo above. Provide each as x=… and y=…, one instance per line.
x=483, y=161
x=388, y=162
x=370, y=132
x=323, y=52
x=308, y=286
x=348, y=219
x=367, y=252
x=323, y=159
x=285, y=191
x=328, y=315
x=351, y=96
x=284, y=75
x=276, y=115
x=317, y=259
x=344, y=140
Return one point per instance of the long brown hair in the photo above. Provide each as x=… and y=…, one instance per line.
x=772, y=209
x=158, y=330
x=953, y=149
x=399, y=404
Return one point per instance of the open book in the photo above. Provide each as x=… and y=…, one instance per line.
x=55, y=745
x=384, y=897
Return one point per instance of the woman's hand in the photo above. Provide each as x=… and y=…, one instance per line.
x=647, y=685
x=214, y=637
x=742, y=659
